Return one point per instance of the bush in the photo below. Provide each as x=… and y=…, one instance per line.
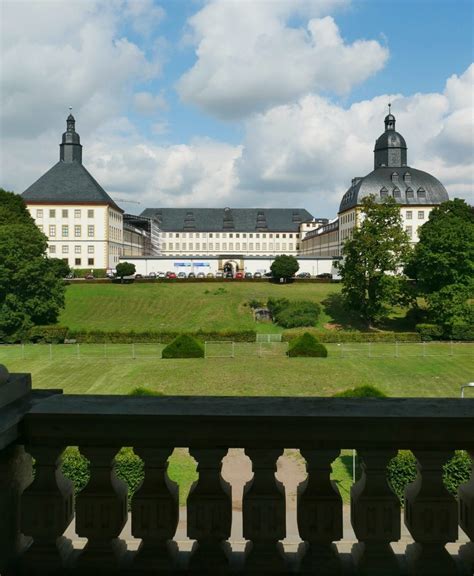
x=276, y=305
x=462, y=332
x=75, y=467
x=429, y=332
x=129, y=337
x=338, y=336
x=142, y=391
x=96, y=272
x=307, y=346
x=402, y=470
x=253, y=303
x=184, y=346
x=361, y=392
x=298, y=313
x=48, y=334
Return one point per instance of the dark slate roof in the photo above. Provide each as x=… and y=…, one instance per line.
x=390, y=139
x=229, y=219
x=68, y=183
x=414, y=187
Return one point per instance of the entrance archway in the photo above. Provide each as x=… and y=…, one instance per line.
x=231, y=266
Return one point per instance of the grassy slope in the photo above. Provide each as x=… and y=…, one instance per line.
x=181, y=306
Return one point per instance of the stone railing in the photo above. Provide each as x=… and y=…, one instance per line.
x=36, y=513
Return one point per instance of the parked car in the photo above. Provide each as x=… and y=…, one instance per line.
x=229, y=275
x=257, y=275
x=268, y=275
x=138, y=276
x=239, y=276
x=303, y=275
x=219, y=274
x=171, y=275
x=182, y=275
x=248, y=275
x=151, y=275
x=210, y=275
x=325, y=275
x=201, y=275
x=161, y=275
x=89, y=276
x=191, y=275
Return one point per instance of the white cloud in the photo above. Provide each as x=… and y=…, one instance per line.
x=148, y=103
x=144, y=15
x=249, y=57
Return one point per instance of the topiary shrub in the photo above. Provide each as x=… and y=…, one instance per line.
x=307, y=346
x=361, y=392
x=298, y=313
x=184, y=346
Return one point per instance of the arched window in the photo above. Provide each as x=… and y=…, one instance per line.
x=421, y=193
x=407, y=177
x=410, y=194
x=396, y=193
x=395, y=177
x=383, y=192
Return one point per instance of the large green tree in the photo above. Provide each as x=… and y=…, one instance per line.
x=443, y=263
x=372, y=259
x=284, y=266
x=30, y=290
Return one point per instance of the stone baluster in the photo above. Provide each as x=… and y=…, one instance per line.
x=319, y=514
x=101, y=512
x=209, y=507
x=264, y=514
x=466, y=516
x=15, y=476
x=47, y=509
x=375, y=516
x=431, y=517
x=155, y=513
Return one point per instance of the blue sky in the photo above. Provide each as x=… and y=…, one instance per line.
x=243, y=103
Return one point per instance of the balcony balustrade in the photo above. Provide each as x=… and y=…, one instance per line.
x=37, y=510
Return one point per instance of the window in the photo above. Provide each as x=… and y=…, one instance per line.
x=65, y=230
x=65, y=249
x=210, y=235
x=218, y=246
x=409, y=231
x=204, y=246
x=39, y=213
x=77, y=261
x=52, y=249
x=410, y=193
x=52, y=213
x=65, y=213
x=237, y=235
x=211, y=247
x=284, y=236
x=90, y=213
x=177, y=235
x=163, y=246
x=77, y=249
x=90, y=249
x=90, y=230
x=421, y=215
x=77, y=213
x=237, y=246
x=77, y=231
x=257, y=235
x=224, y=246
x=244, y=246
x=277, y=235
x=421, y=193
x=190, y=246
x=270, y=246
x=231, y=245
x=244, y=235
x=283, y=247
x=257, y=246
x=383, y=192
x=231, y=235
x=409, y=214
x=52, y=230
x=251, y=246
x=217, y=235
x=198, y=246
x=90, y=261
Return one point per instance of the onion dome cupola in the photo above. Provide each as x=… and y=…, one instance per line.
x=390, y=148
x=70, y=149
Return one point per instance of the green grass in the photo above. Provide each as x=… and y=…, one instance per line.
x=188, y=307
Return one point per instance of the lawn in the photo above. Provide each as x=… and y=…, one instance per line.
x=164, y=306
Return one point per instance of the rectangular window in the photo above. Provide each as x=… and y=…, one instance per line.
x=52, y=230
x=283, y=247
x=90, y=261
x=211, y=247
x=163, y=246
x=244, y=246
x=224, y=246
x=190, y=246
x=65, y=249
x=218, y=246
x=210, y=235
x=277, y=235
x=39, y=213
x=277, y=246
x=270, y=246
x=77, y=261
x=237, y=235
x=77, y=249
x=77, y=213
x=77, y=231
x=204, y=247
x=250, y=235
x=264, y=246
x=257, y=246
x=231, y=245
x=217, y=235
x=409, y=231
x=90, y=213
x=90, y=231
x=409, y=214
x=52, y=249
x=197, y=234
x=52, y=213
x=231, y=235
x=177, y=235
x=244, y=235
x=237, y=246
x=421, y=215
x=65, y=213
x=198, y=245
x=251, y=246
x=65, y=230
x=90, y=249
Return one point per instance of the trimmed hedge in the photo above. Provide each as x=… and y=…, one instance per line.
x=402, y=470
x=48, y=334
x=184, y=346
x=130, y=337
x=336, y=336
x=429, y=332
x=462, y=332
x=307, y=346
x=361, y=392
x=83, y=272
x=298, y=313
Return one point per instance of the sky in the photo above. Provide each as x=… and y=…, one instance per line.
x=240, y=103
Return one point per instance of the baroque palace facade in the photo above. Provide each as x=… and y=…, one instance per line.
x=86, y=227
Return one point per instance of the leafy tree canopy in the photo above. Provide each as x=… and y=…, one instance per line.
x=125, y=269
x=30, y=291
x=370, y=270
x=284, y=266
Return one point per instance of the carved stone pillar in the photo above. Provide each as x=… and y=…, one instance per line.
x=101, y=512
x=15, y=475
x=209, y=514
x=375, y=516
x=155, y=513
x=431, y=517
x=47, y=509
x=466, y=516
x=264, y=514
x=319, y=514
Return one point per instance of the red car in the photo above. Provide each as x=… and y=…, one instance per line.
x=170, y=275
x=239, y=276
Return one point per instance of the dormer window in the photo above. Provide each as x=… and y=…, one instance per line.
x=421, y=193
x=410, y=194
x=397, y=193
x=395, y=177
x=383, y=192
x=407, y=177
